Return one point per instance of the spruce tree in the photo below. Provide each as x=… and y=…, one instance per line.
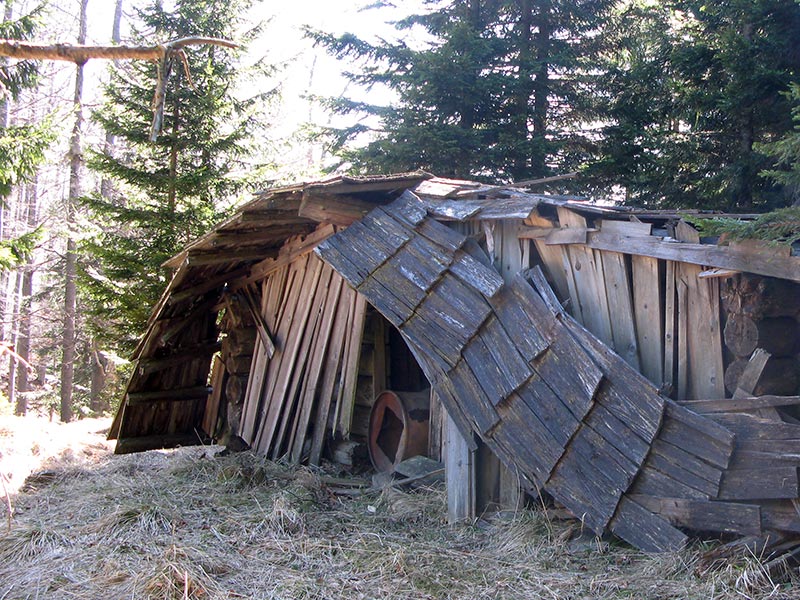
x=171, y=190
x=691, y=91
x=500, y=92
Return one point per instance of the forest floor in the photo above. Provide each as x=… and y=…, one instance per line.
x=187, y=523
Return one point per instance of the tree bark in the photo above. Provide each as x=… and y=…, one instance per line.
x=70, y=268
x=23, y=346
x=541, y=89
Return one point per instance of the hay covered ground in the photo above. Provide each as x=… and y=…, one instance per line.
x=190, y=524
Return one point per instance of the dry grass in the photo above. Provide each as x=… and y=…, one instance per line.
x=186, y=524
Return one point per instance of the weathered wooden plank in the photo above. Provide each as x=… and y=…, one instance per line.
x=670, y=330
x=682, y=334
x=408, y=208
x=530, y=443
x=641, y=528
x=617, y=433
x=211, y=411
x=336, y=253
x=513, y=367
x=738, y=259
x=442, y=347
x=653, y=482
x=700, y=424
x=401, y=283
x=172, y=395
x=706, y=372
x=289, y=339
x=549, y=409
x=421, y=262
x=588, y=482
x=621, y=311
x=459, y=473
x=152, y=442
x=752, y=484
x=338, y=209
x=687, y=461
x=146, y=366
x=390, y=304
x=472, y=397
x=351, y=356
x=699, y=445
x=455, y=308
x=587, y=269
x=381, y=224
x=316, y=364
x=743, y=404
x=752, y=428
x=724, y=517
x=331, y=368
x=628, y=228
x=648, y=317
x=477, y=275
x=779, y=515
x=551, y=257
x=667, y=464
x=441, y=234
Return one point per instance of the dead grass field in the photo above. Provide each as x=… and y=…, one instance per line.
x=188, y=524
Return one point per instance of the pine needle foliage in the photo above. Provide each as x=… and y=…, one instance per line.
x=171, y=191
x=779, y=227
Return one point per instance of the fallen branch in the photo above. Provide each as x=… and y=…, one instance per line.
x=80, y=54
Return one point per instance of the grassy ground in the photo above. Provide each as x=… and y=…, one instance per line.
x=188, y=524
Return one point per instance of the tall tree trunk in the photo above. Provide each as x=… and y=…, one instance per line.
x=8, y=13
x=99, y=374
x=23, y=345
x=541, y=89
x=520, y=168
x=70, y=292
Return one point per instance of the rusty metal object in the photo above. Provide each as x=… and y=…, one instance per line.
x=398, y=428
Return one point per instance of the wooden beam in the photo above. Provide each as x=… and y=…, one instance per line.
x=338, y=209
x=741, y=404
x=178, y=394
x=286, y=256
x=153, y=442
x=258, y=319
x=759, y=262
x=188, y=354
x=214, y=256
x=207, y=286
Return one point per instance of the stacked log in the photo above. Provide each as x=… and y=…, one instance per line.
x=763, y=312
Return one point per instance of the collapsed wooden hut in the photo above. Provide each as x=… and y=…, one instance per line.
x=645, y=378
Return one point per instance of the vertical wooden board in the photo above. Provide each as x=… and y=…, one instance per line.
x=350, y=365
x=315, y=367
x=302, y=363
x=648, y=317
x=621, y=312
x=706, y=372
x=435, y=427
x=587, y=270
x=287, y=342
x=682, y=335
x=551, y=257
x=510, y=249
x=331, y=368
x=574, y=304
x=459, y=474
x=670, y=331
x=211, y=411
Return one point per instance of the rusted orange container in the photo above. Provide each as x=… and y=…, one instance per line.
x=398, y=428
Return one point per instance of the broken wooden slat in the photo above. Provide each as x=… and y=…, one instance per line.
x=173, y=395
x=647, y=294
x=211, y=412
x=753, y=484
x=352, y=353
x=742, y=404
x=331, y=368
x=338, y=209
x=621, y=308
x=725, y=517
x=761, y=263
